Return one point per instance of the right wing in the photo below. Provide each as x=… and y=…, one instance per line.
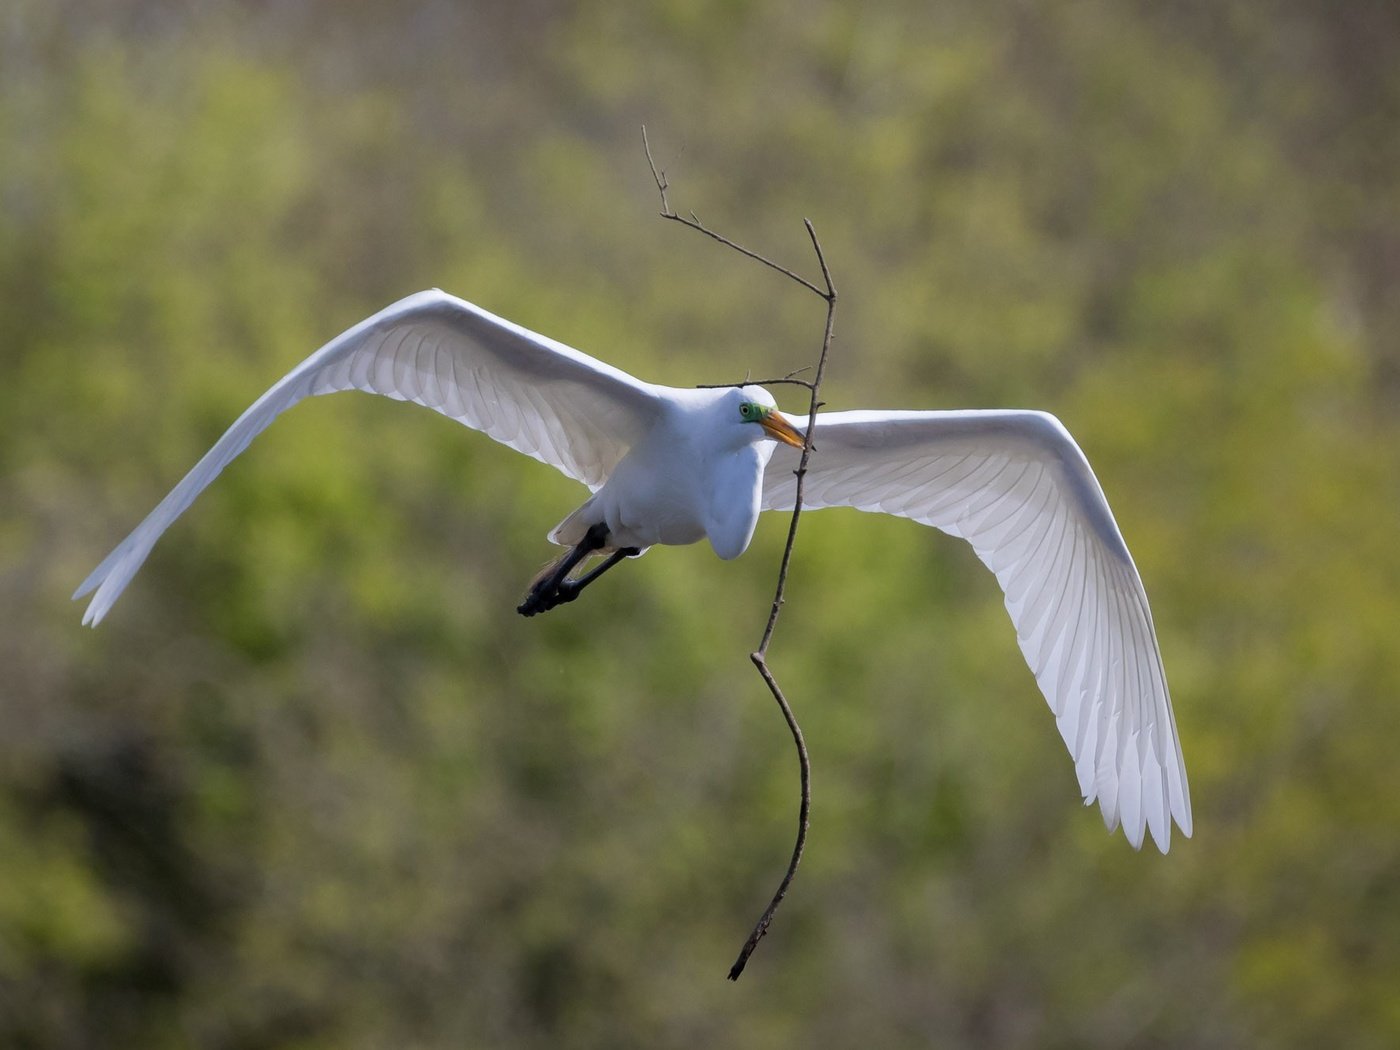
x=1016, y=486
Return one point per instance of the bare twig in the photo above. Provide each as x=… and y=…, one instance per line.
x=667, y=212
x=760, y=655
x=790, y=379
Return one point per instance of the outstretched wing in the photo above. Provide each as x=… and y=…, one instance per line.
x=540, y=397
x=1016, y=486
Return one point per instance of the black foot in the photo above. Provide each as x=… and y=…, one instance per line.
x=540, y=600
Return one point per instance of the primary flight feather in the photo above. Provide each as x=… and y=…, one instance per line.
x=667, y=465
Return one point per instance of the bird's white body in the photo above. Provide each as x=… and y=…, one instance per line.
x=673, y=466
x=691, y=477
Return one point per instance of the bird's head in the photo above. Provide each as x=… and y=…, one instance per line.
x=753, y=404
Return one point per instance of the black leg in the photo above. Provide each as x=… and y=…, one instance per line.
x=568, y=590
x=554, y=587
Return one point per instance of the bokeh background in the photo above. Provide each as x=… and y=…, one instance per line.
x=314, y=784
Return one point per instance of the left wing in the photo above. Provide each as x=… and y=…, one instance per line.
x=1016, y=486
x=535, y=395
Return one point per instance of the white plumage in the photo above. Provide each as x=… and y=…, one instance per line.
x=669, y=465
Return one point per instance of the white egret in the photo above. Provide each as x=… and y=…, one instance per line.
x=672, y=466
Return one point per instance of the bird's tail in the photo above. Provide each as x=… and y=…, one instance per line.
x=550, y=567
x=571, y=531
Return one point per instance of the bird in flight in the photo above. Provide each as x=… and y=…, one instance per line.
x=667, y=465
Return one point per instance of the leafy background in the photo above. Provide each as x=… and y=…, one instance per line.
x=314, y=784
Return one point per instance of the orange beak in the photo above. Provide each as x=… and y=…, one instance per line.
x=780, y=429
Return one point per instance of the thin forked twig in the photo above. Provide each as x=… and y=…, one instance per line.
x=790, y=379
x=667, y=212
x=760, y=655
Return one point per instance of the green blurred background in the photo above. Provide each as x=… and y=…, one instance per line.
x=314, y=783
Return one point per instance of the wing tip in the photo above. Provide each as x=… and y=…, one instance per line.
x=1184, y=821
x=110, y=579
x=93, y=614
x=1147, y=821
x=98, y=607
x=1144, y=824
x=1153, y=817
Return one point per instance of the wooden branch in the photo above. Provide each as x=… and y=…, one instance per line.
x=760, y=655
x=667, y=212
x=789, y=379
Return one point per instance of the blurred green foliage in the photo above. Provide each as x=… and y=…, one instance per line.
x=314, y=784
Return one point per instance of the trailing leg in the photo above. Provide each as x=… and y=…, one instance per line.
x=554, y=587
x=568, y=589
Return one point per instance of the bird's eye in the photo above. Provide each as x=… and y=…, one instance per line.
x=746, y=410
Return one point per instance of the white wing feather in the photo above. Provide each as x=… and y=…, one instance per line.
x=531, y=393
x=1016, y=486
